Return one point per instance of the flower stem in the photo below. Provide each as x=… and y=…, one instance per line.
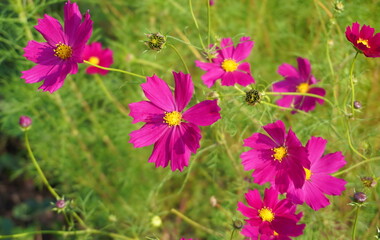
x=115, y=70
x=180, y=56
x=298, y=94
x=196, y=24
x=208, y=23
x=191, y=222
x=232, y=234
x=38, y=168
x=355, y=222
x=352, y=84
x=356, y=165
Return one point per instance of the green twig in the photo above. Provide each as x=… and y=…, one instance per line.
x=356, y=165
x=115, y=70
x=196, y=24
x=355, y=222
x=180, y=56
x=298, y=94
x=352, y=84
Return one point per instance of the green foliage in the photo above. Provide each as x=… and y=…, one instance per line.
x=80, y=137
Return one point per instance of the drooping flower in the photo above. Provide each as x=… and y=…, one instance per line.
x=364, y=39
x=174, y=133
x=269, y=217
x=61, y=52
x=226, y=65
x=318, y=181
x=96, y=55
x=298, y=80
x=279, y=159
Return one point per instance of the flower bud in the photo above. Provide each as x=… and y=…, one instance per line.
x=357, y=105
x=338, y=6
x=368, y=182
x=25, y=122
x=360, y=197
x=156, y=221
x=213, y=201
x=156, y=41
x=252, y=97
x=60, y=204
x=237, y=224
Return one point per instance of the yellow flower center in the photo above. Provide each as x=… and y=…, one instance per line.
x=266, y=214
x=173, y=118
x=229, y=65
x=63, y=51
x=363, y=41
x=275, y=233
x=308, y=173
x=303, y=88
x=94, y=60
x=279, y=153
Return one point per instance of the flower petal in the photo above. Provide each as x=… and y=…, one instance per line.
x=330, y=163
x=229, y=79
x=191, y=136
x=84, y=33
x=180, y=154
x=72, y=19
x=148, y=134
x=158, y=92
x=315, y=147
x=51, y=29
x=287, y=70
x=41, y=53
x=329, y=184
x=277, y=131
x=226, y=48
x=211, y=76
x=243, y=49
x=146, y=111
x=243, y=79
x=304, y=69
x=314, y=197
x=203, y=114
x=184, y=89
x=259, y=141
x=254, y=199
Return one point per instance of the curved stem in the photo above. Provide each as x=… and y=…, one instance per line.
x=355, y=222
x=38, y=168
x=115, y=70
x=180, y=56
x=356, y=165
x=352, y=84
x=350, y=141
x=298, y=94
x=196, y=24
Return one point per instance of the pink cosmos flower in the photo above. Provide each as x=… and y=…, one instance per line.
x=96, y=55
x=278, y=159
x=175, y=134
x=227, y=66
x=298, y=81
x=61, y=52
x=363, y=39
x=318, y=181
x=269, y=217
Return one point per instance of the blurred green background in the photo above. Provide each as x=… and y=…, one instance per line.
x=80, y=137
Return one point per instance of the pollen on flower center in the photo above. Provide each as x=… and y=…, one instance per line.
x=266, y=214
x=173, y=118
x=63, y=51
x=303, y=88
x=279, y=153
x=229, y=65
x=275, y=233
x=308, y=173
x=94, y=60
x=364, y=42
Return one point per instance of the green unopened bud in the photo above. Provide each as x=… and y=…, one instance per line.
x=156, y=221
x=338, y=6
x=156, y=41
x=252, y=97
x=237, y=224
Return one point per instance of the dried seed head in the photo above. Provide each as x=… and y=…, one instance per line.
x=156, y=41
x=252, y=97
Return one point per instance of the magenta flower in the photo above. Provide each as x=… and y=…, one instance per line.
x=363, y=39
x=318, y=181
x=174, y=134
x=298, y=81
x=270, y=216
x=96, y=55
x=63, y=50
x=227, y=66
x=25, y=121
x=278, y=159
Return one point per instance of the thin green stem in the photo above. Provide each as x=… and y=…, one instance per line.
x=356, y=165
x=355, y=222
x=180, y=56
x=298, y=94
x=232, y=234
x=350, y=141
x=115, y=70
x=196, y=24
x=352, y=84
x=193, y=223
x=181, y=41
x=38, y=168
x=208, y=23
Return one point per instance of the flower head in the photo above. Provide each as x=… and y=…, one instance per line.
x=298, y=80
x=96, y=55
x=25, y=122
x=226, y=65
x=364, y=39
x=318, y=181
x=174, y=132
x=156, y=41
x=269, y=217
x=279, y=159
x=61, y=52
